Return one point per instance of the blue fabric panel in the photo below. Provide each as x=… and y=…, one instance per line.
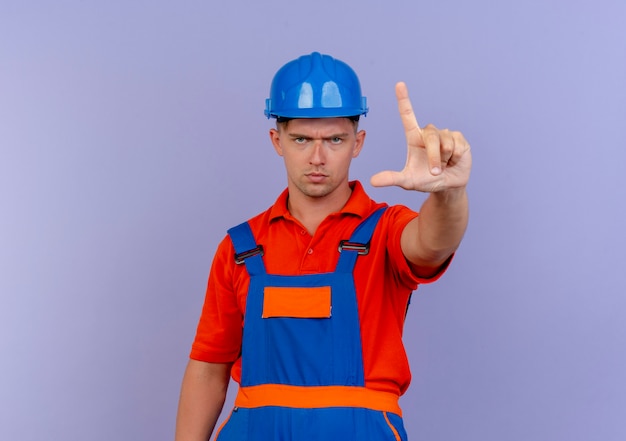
x=301, y=351
x=335, y=423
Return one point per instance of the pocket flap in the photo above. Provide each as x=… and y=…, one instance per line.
x=297, y=302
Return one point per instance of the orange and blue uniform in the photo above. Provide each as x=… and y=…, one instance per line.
x=319, y=355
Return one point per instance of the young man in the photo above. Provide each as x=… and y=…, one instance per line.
x=306, y=302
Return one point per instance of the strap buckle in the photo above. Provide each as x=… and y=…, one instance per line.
x=361, y=248
x=241, y=257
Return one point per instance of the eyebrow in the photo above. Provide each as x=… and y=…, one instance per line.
x=334, y=135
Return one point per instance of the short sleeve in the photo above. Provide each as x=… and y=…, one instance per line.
x=397, y=219
x=219, y=332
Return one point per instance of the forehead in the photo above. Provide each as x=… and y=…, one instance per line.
x=320, y=125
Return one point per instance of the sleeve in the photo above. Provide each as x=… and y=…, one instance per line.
x=398, y=218
x=219, y=332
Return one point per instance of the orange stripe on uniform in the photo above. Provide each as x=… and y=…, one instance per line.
x=393, y=429
x=308, y=397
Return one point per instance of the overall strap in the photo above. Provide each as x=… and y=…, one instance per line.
x=359, y=242
x=246, y=249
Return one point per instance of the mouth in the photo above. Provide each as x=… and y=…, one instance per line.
x=316, y=176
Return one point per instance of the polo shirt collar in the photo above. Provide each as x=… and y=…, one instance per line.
x=358, y=204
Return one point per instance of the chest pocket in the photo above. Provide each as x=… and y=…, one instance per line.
x=297, y=302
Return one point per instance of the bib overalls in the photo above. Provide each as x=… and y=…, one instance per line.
x=302, y=367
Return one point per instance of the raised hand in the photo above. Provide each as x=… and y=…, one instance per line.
x=437, y=160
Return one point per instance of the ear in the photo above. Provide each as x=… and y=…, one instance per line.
x=275, y=139
x=358, y=145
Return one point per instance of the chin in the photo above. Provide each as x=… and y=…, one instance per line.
x=317, y=191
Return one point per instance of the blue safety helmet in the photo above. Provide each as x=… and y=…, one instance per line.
x=315, y=86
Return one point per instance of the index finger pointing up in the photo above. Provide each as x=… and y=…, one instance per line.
x=411, y=127
x=414, y=135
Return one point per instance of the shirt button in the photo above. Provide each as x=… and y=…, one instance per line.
x=310, y=251
x=303, y=232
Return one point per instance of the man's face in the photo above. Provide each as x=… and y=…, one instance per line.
x=317, y=153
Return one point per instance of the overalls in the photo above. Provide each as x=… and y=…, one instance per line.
x=302, y=367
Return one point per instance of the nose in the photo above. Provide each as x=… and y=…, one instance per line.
x=318, y=156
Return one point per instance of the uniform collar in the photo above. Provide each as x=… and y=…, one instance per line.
x=358, y=204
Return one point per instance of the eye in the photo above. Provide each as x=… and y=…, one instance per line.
x=336, y=140
x=299, y=140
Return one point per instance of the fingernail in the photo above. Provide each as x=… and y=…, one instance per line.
x=435, y=170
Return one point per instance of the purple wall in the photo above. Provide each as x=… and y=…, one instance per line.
x=132, y=135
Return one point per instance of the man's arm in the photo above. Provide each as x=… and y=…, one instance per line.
x=431, y=238
x=201, y=399
x=438, y=162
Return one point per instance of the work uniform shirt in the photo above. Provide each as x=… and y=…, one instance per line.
x=384, y=281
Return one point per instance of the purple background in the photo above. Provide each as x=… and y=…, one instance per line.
x=132, y=136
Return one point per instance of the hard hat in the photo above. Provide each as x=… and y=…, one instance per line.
x=315, y=86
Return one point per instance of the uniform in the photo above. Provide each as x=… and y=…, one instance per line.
x=319, y=355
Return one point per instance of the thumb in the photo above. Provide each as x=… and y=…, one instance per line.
x=385, y=179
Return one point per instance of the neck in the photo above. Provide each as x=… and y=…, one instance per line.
x=311, y=211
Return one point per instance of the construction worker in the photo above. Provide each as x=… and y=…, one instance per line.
x=306, y=302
